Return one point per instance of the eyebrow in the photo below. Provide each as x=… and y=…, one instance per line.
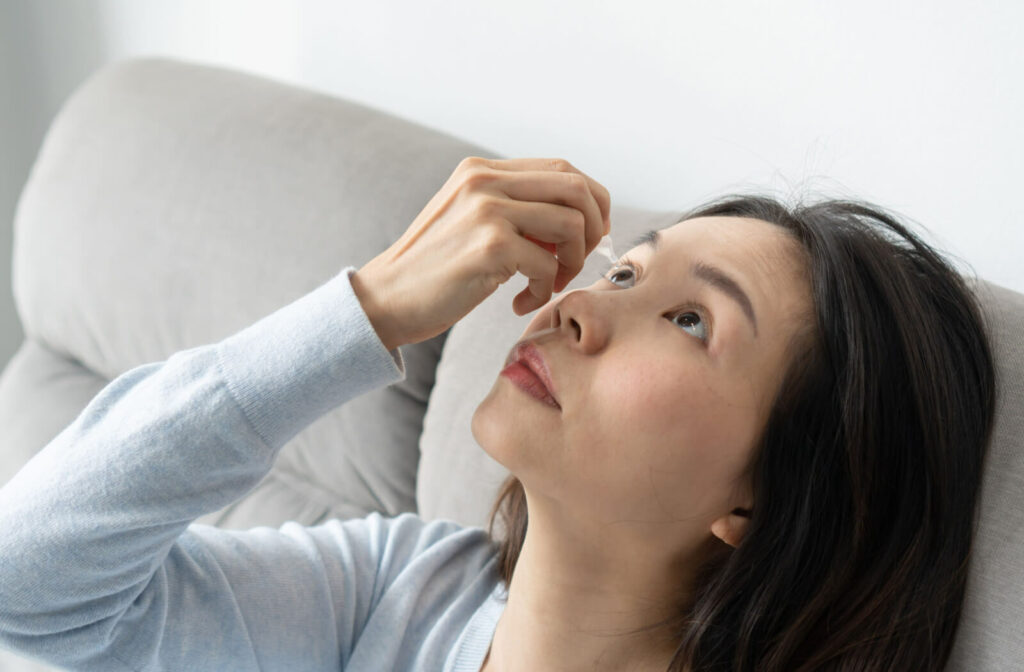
x=711, y=275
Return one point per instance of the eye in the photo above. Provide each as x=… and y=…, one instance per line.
x=691, y=315
x=693, y=319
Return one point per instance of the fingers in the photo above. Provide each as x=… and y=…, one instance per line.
x=539, y=180
x=556, y=228
x=540, y=267
x=601, y=195
x=552, y=189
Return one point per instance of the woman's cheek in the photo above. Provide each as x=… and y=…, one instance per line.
x=635, y=400
x=656, y=394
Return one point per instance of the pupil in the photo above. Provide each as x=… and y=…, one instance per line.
x=617, y=273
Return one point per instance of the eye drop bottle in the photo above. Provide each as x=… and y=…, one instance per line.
x=605, y=249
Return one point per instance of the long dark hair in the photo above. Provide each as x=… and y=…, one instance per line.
x=866, y=477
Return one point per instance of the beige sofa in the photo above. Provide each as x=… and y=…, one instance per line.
x=174, y=203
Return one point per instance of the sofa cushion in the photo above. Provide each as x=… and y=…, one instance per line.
x=990, y=630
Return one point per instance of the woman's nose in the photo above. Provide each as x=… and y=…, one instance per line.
x=560, y=316
x=576, y=315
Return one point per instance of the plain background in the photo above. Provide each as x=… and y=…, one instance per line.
x=915, y=106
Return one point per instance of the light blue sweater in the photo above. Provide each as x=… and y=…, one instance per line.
x=101, y=568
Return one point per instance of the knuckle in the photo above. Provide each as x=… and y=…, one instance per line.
x=560, y=164
x=487, y=205
x=492, y=245
x=577, y=220
x=577, y=182
x=476, y=177
x=472, y=162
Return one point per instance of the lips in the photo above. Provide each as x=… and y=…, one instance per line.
x=529, y=355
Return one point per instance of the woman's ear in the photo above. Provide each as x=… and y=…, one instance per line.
x=732, y=527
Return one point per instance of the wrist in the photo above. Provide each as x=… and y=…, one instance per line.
x=375, y=309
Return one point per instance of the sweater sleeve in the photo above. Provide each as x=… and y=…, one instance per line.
x=100, y=568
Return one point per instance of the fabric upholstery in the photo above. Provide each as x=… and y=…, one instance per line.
x=990, y=635
x=173, y=203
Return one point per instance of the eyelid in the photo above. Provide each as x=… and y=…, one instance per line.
x=689, y=305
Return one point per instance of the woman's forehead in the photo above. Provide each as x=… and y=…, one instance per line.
x=763, y=259
x=750, y=246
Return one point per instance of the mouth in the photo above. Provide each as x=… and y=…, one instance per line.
x=529, y=357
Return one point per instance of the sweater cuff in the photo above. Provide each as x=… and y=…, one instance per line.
x=305, y=359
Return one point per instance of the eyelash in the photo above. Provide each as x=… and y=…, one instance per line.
x=689, y=307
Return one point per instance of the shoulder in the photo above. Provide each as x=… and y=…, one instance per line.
x=408, y=534
x=406, y=543
x=414, y=556
x=398, y=540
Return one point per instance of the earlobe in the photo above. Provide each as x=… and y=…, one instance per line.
x=732, y=527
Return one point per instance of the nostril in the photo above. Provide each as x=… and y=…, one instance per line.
x=576, y=326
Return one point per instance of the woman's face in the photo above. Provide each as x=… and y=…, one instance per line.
x=663, y=380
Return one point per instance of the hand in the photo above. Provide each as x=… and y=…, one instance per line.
x=491, y=219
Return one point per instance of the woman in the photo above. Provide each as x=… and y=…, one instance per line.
x=737, y=460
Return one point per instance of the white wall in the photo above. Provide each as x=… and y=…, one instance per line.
x=46, y=49
x=914, y=106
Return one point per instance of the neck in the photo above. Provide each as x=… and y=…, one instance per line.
x=594, y=605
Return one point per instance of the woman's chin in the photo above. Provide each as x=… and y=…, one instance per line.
x=485, y=426
x=498, y=424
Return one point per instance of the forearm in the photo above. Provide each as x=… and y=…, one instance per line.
x=86, y=523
